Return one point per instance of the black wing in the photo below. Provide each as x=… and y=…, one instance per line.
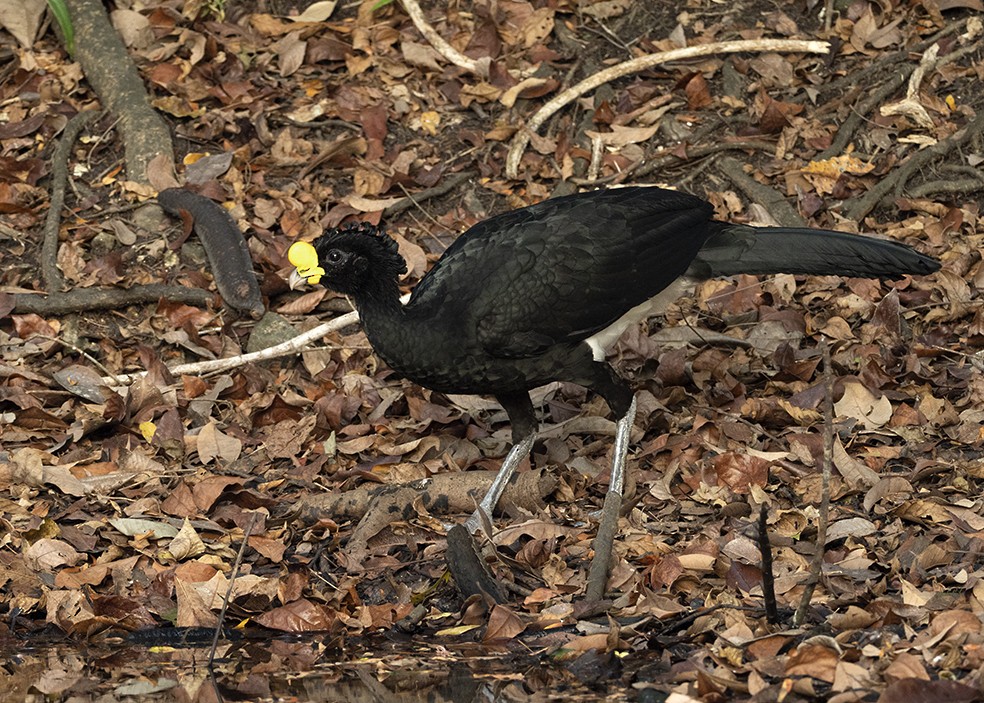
x=559, y=271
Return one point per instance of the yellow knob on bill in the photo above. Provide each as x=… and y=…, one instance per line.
x=305, y=260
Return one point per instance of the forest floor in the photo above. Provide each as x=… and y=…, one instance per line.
x=124, y=505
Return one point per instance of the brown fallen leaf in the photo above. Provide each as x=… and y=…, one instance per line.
x=813, y=660
x=299, y=616
x=504, y=624
x=858, y=402
x=213, y=444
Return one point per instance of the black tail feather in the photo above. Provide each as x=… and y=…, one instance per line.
x=735, y=249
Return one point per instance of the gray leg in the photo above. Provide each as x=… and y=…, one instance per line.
x=598, y=572
x=622, y=429
x=500, y=482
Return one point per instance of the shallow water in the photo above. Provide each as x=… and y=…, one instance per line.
x=310, y=670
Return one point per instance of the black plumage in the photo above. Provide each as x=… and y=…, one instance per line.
x=512, y=302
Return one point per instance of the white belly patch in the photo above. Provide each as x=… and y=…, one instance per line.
x=601, y=342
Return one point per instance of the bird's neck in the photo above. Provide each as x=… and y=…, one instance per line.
x=379, y=306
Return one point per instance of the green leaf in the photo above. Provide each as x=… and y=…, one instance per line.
x=60, y=11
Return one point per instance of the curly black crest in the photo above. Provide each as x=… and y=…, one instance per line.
x=371, y=230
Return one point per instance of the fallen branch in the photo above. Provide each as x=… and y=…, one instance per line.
x=642, y=63
x=883, y=64
x=82, y=299
x=444, y=493
x=848, y=128
x=914, y=75
x=823, y=519
x=291, y=346
x=58, y=302
x=456, y=492
x=961, y=186
x=665, y=159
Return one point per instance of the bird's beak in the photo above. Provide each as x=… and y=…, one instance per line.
x=296, y=280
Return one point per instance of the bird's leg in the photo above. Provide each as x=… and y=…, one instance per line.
x=499, y=483
x=616, y=483
x=598, y=571
x=522, y=417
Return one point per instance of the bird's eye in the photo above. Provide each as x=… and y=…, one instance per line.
x=334, y=256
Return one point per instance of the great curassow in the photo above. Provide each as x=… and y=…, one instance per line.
x=538, y=294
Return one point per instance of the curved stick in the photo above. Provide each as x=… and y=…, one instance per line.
x=641, y=63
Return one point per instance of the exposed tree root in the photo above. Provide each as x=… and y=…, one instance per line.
x=777, y=206
x=896, y=180
x=380, y=506
x=445, y=186
x=445, y=493
x=54, y=281
x=82, y=299
x=666, y=159
x=114, y=77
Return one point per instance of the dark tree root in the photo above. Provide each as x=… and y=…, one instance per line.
x=896, y=80
x=894, y=183
x=768, y=571
x=468, y=569
x=114, y=77
x=83, y=299
x=228, y=254
x=962, y=186
x=847, y=130
x=54, y=281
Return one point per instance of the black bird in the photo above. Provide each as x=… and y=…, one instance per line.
x=537, y=294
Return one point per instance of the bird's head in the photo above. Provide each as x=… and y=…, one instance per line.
x=349, y=259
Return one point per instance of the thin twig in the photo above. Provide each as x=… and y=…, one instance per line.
x=104, y=298
x=81, y=352
x=642, y=63
x=768, y=573
x=816, y=565
x=232, y=582
x=291, y=346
